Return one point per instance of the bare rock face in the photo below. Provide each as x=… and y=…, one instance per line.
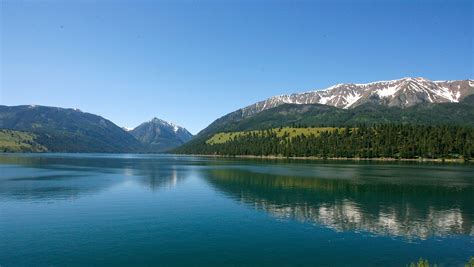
x=401, y=93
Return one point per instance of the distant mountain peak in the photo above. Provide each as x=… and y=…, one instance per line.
x=175, y=127
x=404, y=92
x=161, y=135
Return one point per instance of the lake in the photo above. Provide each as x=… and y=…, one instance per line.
x=165, y=210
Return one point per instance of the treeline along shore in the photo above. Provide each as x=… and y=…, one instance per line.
x=381, y=142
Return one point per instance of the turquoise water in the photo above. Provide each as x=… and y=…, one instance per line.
x=155, y=210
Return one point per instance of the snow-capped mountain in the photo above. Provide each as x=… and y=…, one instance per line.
x=401, y=93
x=160, y=135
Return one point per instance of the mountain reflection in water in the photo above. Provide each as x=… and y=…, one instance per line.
x=410, y=201
x=69, y=177
x=415, y=210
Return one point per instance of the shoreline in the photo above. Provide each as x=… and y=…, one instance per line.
x=436, y=160
x=335, y=159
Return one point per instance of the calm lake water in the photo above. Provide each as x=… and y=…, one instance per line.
x=124, y=210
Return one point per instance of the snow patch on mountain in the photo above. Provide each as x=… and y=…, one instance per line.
x=351, y=99
x=175, y=127
x=448, y=94
x=377, y=82
x=323, y=100
x=401, y=93
x=388, y=91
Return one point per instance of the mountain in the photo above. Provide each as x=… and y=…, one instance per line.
x=400, y=93
x=424, y=131
x=68, y=130
x=158, y=135
x=370, y=112
x=461, y=113
x=384, y=101
x=54, y=129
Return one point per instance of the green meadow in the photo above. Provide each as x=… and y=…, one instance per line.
x=288, y=132
x=16, y=141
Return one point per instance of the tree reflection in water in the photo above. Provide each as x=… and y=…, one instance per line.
x=415, y=210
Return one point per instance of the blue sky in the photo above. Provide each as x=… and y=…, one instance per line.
x=191, y=62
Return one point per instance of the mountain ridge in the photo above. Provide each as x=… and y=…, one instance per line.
x=406, y=100
x=67, y=129
x=313, y=97
x=428, y=130
x=453, y=105
x=284, y=115
x=72, y=130
x=401, y=93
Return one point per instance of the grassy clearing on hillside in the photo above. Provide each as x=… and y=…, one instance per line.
x=221, y=138
x=15, y=141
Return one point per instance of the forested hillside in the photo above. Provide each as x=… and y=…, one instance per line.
x=323, y=115
x=377, y=141
x=68, y=130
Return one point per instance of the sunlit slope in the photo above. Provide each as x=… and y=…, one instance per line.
x=16, y=141
x=283, y=132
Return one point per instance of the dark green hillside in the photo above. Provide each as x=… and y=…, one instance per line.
x=68, y=130
x=315, y=115
x=377, y=141
x=322, y=115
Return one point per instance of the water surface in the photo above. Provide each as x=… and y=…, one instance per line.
x=162, y=210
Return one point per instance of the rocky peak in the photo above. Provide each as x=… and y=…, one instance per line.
x=401, y=93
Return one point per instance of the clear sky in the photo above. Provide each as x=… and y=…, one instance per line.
x=191, y=62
